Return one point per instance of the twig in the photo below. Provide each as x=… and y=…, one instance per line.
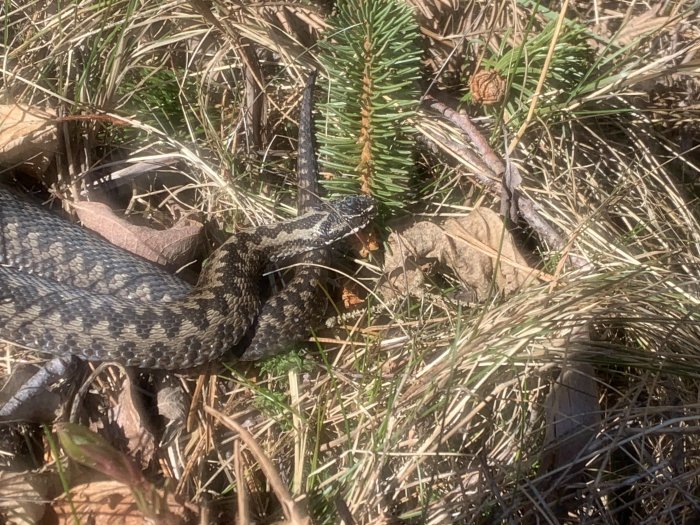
x=294, y=511
x=463, y=122
x=496, y=168
x=242, y=494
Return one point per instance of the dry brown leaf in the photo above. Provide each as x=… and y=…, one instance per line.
x=476, y=248
x=365, y=242
x=642, y=25
x=22, y=497
x=172, y=247
x=171, y=399
x=351, y=294
x=134, y=421
x=111, y=503
x=28, y=138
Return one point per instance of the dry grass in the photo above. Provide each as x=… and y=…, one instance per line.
x=435, y=413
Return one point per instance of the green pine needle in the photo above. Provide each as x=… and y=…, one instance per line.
x=372, y=58
x=522, y=65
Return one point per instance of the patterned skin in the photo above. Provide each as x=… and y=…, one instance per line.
x=299, y=305
x=64, y=291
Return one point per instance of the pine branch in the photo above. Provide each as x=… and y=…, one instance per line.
x=372, y=58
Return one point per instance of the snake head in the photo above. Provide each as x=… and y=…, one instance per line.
x=312, y=231
x=354, y=213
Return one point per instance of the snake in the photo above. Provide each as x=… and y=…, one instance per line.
x=65, y=291
x=296, y=308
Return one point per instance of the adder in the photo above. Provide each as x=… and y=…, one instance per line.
x=296, y=308
x=64, y=291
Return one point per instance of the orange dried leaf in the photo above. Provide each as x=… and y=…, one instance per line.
x=350, y=295
x=129, y=414
x=365, y=242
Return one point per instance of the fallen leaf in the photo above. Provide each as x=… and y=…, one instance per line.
x=172, y=247
x=129, y=415
x=28, y=138
x=22, y=497
x=126, y=497
x=365, y=242
x=173, y=405
x=171, y=399
x=112, y=503
x=476, y=248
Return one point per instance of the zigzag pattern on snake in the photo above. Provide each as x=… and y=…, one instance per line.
x=298, y=306
x=64, y=291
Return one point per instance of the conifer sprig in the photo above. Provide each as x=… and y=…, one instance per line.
x=372, y=58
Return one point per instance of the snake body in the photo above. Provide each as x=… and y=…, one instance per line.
x=87, y=298
x=296, y=308
x=64, y=291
